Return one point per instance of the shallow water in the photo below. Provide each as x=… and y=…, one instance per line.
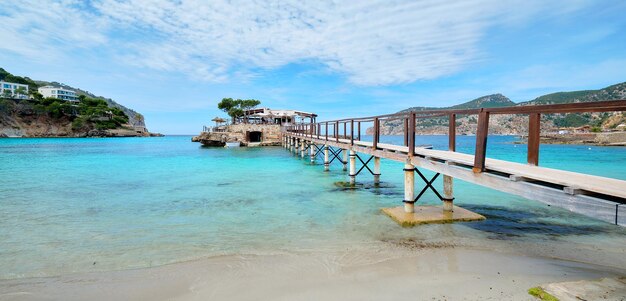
x=74, y=205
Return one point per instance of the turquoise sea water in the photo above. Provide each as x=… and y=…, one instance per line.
x=75, y=205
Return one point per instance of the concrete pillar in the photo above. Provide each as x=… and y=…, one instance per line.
x=312, y=152
x=297, y=146
x=352, y=167
x=290, y=144
x=409, y=187
x=448, y=193
x=302, y=148
x=326, y=162
x=376, y=170
x=345, y=159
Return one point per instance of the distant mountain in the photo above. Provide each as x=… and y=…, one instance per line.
x=617, y=91
x=488, y=101
x=516, y=124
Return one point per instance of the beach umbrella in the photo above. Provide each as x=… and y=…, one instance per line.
x=218, y=120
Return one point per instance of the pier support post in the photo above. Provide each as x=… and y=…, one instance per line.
x=326, y=162
x=448, y=193
x=376, y=170
x=290, y=144
x=312, y=152
x=345, y=160
x=298, y=145
x=302, y=148
x=409, y=187
x=352, y=167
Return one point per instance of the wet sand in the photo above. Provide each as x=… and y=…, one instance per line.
x=389, y=271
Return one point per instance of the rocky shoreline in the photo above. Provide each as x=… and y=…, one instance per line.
x=86, y=134
x=597, y=139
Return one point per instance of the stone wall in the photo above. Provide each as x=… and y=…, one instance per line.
x=271, y=132
x=237, y=133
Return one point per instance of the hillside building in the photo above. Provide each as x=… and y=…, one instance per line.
x=57, y=92
x=12, y=90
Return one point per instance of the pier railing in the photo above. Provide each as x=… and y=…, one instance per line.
x=350, y=128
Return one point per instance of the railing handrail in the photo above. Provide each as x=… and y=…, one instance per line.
x=534, y=112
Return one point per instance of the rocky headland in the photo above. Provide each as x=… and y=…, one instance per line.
x=92, y=116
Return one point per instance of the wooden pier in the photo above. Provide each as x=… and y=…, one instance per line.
x=599, y=197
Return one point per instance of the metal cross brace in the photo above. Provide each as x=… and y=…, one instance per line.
x=335, y=155
x=319, y=150
x=429, y=184
x=364, y=164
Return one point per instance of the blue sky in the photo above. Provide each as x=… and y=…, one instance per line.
x=174, y=60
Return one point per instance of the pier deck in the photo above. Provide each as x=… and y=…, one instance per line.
x=599, y=197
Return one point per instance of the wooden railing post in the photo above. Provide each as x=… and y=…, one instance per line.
x=452, y=133
x=345, y=129
x=406, y=131
x=352, y=132
x=319, y=130
x=481, y=141
x=534, y=131
x=336, y=131
x=376, y=133
x=326, y=131
x=411, y=134
x=358, y=131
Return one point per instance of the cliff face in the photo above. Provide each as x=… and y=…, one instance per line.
x=518, y=124
x=21, y=119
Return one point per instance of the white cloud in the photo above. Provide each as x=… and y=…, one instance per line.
x=370, y=42
x=45, y=31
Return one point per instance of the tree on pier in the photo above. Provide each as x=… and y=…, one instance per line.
x=236, y=107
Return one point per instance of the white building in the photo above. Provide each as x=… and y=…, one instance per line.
x=57, y=92
x=12, y=89
x=284, y=117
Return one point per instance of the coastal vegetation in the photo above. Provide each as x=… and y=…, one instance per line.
x=89, y=113
x=235, y=107
x=41, y=116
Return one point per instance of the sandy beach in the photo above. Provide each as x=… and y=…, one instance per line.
x=386, y=271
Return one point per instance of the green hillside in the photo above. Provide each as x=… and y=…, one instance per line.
x=488, y=101
x=613, y=92
x=8, y=77
x=596, y=120
x=134, y=118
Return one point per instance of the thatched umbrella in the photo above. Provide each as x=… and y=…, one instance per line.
x=218, y=120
